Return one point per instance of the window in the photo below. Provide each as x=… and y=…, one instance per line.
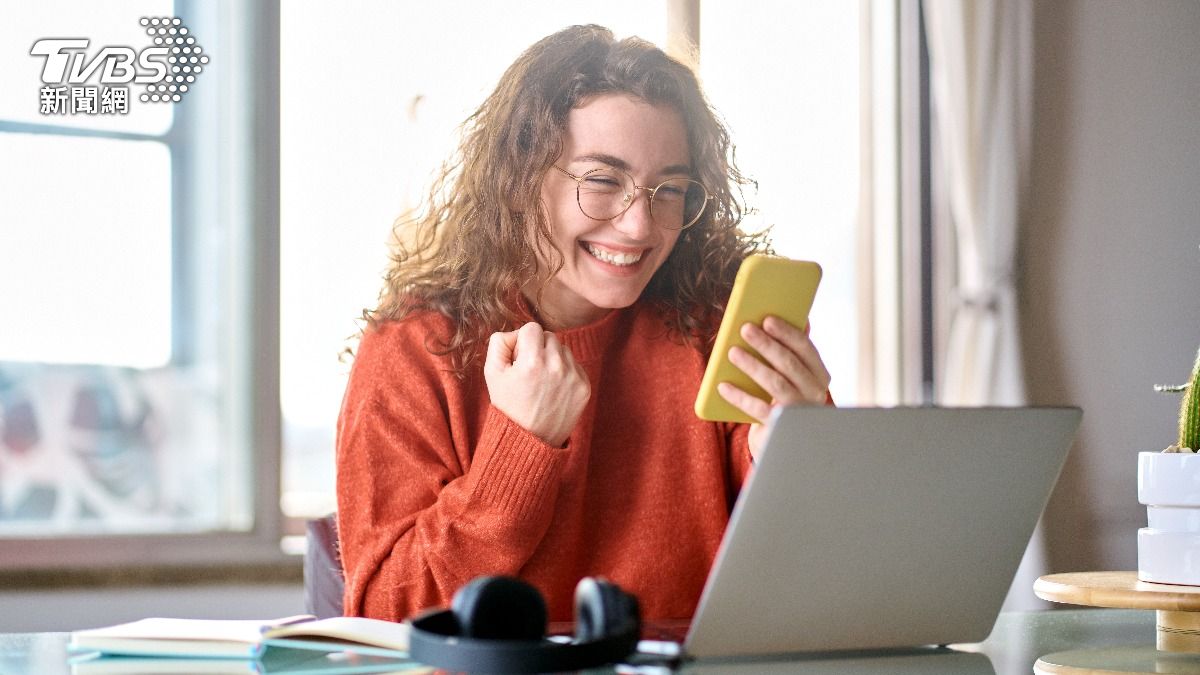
x=128, y=413
x=791, y=99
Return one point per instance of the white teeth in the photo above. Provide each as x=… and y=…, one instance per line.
x=619, y=259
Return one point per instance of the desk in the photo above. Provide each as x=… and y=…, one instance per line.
x=1017, y=641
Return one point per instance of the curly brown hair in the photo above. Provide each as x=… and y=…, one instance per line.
x=467, y=254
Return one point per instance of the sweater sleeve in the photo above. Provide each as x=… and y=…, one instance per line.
x=740, y=461
x=418, y=515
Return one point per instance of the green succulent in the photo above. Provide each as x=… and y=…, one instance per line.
x=1189, y=410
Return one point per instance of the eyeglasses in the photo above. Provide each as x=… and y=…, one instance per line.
x=607, y=192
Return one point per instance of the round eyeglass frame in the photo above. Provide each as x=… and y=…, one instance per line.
x=630, y=198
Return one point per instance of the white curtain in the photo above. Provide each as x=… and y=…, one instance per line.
x=980, y=56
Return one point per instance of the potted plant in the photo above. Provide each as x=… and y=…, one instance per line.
x=1169, y=486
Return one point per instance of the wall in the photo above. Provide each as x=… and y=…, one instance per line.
x=1110, y=265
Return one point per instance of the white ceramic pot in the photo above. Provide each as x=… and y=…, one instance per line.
x=1169, y=547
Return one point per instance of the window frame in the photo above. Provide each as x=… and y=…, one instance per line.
x=246, y=200
x=896, y=243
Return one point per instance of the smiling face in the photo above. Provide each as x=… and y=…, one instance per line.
x=607, y=263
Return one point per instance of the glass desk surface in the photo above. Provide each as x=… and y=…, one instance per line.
x=1075, y=641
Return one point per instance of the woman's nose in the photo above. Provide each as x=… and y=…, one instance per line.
x=637, y=222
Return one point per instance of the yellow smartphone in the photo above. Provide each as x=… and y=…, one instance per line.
x=765, y=285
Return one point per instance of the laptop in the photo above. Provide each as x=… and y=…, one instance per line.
x=878, y=528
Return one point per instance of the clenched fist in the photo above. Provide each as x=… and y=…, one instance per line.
x=534, y=379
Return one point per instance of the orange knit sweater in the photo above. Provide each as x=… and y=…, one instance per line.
x=435, y=486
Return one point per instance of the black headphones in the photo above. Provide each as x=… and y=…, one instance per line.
x=498, y=625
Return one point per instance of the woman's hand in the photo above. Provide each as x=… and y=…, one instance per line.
x=534, y=379
x=791, y=372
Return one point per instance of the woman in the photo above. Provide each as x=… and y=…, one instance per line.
x=520, y=402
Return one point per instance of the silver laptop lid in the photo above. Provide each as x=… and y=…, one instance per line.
x=884, y=527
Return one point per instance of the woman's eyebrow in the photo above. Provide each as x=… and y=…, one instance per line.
x=682, y=169
x=615, y=162
x=618, y=163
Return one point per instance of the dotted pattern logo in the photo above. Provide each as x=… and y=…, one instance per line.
x=185, y=60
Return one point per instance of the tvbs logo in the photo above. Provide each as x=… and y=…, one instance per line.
x=116, y=64
x=166, y=69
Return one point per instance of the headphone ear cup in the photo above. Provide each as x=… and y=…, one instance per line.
x=500, y=608
x=602, y=609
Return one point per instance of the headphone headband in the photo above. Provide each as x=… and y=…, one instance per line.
x=432, y=647
x=436, y=639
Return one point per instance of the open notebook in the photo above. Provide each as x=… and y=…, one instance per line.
x=243, y=639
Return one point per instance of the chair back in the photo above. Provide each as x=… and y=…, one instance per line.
x=324, y=581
